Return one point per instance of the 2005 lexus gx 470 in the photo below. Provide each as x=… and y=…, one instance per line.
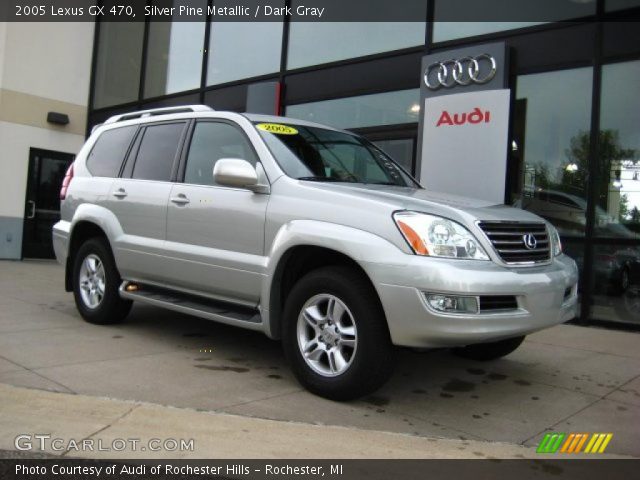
x=309, y=234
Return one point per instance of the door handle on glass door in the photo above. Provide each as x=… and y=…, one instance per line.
x=32, y=212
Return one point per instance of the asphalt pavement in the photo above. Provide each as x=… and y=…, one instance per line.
x=565, y=379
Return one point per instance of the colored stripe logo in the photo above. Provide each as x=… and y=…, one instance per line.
x=556, y=442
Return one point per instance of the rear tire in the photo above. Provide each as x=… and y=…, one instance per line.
x=95, y=284
x=336, y=314
x=489, y=351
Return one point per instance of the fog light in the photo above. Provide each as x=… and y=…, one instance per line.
x=452, y=303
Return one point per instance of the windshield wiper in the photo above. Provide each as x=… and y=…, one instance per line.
x=320, y=179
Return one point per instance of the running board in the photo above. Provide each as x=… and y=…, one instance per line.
x=223, y=312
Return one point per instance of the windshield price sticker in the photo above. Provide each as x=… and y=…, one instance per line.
x=277, y=128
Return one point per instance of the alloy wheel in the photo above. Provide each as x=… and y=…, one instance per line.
x=327, y=335
x=92, y=281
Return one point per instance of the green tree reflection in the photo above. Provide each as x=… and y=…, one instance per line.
x=610, y=157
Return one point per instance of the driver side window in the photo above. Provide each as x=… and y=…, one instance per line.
x=210, y=142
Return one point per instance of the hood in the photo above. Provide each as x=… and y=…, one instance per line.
x=438, y=203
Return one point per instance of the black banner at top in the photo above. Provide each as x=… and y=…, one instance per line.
x=522, y=12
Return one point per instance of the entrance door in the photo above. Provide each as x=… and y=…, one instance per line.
x=42, y=205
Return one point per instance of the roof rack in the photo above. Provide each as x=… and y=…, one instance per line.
x=158, y=111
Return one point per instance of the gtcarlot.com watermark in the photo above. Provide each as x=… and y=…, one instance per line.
x=46, y=442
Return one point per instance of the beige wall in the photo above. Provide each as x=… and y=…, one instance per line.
x=44, y=67
x=50, y=60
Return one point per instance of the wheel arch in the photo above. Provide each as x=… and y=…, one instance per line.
x=302, y=245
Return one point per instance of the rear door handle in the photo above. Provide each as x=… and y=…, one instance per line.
x=180, y=199
x=120, y=193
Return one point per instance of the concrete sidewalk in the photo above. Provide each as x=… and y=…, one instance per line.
x=564, y=379
x=106, y=421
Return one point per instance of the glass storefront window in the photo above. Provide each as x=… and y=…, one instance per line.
x=118, y=64
x=443, y=31
x=613, y=5
x=449, y=15
x=400, y=149
x=314, y=43
x=239, y=50
x=550, y=149
x=389, y=108
x=174, y=55
x=616, y=283
x=616, y=265
x=618, y=201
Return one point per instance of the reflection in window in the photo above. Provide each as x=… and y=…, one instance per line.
x=212, y=141
x=616, y=266
x=174, y=58
x=449, y=14
x=443, y=31
x=118, y=65
x=616, y=283
x=239, y=50
x=400, y=149
x=619, y=152
x=611, y=5
x=313, y=43
x=551, y=146
x=388, y=108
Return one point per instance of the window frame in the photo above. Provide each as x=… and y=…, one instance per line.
x=125, y=157
x=132, y=159
x=182, y=165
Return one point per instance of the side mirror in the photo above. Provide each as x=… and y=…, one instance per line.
x=234, y=172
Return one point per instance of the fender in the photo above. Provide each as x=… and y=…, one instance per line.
x=361, y=246
x=102, y=217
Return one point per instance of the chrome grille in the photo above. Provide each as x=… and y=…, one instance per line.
x=508, y=239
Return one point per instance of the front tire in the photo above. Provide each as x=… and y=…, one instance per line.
x=335, y=334
x=95, y=284
x=489, y=351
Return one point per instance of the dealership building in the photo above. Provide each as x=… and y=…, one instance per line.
x=572, y=142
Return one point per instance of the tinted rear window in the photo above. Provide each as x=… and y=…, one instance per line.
x=158, y=151
x=108, y=153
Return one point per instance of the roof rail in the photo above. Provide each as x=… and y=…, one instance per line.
x=157, y=111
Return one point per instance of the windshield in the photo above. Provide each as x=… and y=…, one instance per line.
x=319, y=154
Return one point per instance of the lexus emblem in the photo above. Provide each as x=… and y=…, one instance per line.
x=529, y=241
x=463, y=72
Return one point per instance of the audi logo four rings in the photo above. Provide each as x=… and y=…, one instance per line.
x=463, y=72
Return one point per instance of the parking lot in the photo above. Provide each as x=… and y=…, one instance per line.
x=567, y=379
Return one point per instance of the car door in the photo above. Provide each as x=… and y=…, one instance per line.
x=216, y=233
x=139, y=201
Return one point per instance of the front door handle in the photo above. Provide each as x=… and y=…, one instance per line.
x=120, y=193
x=32, y=209
x=180, y=199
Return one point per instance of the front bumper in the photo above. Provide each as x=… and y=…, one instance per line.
x=541, y=293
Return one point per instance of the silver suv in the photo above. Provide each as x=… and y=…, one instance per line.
x=309, y=234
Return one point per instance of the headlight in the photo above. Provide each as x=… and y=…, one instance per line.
x=435, y=236
x=556, y=245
